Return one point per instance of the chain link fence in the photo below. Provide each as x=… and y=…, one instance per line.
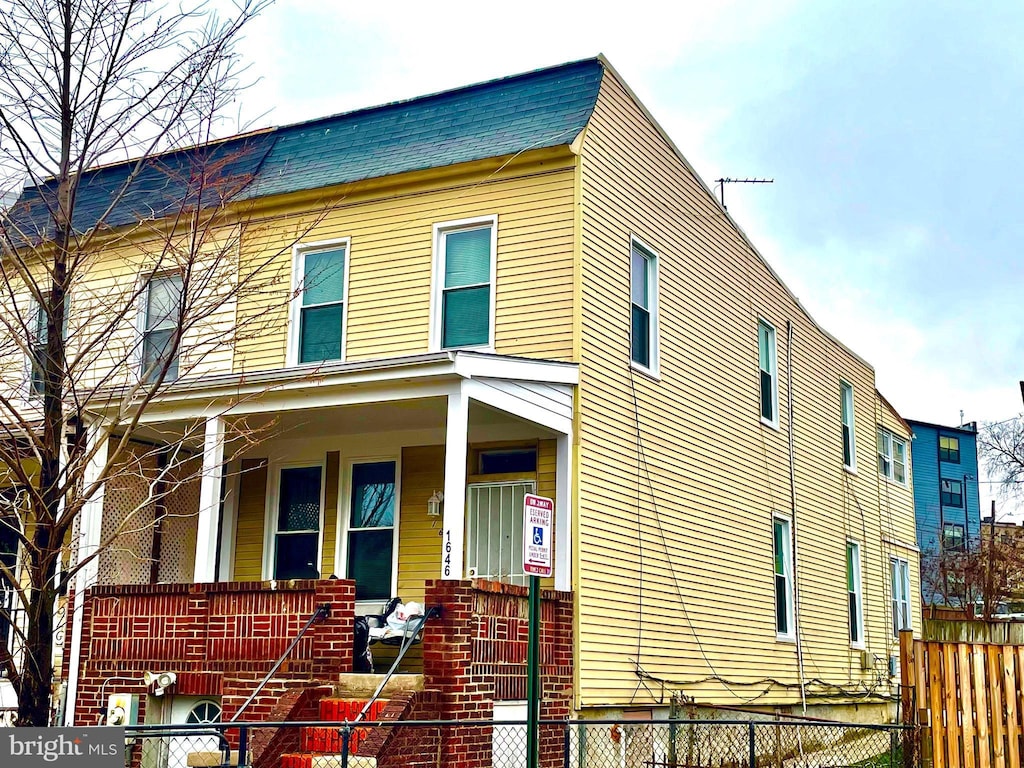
x=563, y=744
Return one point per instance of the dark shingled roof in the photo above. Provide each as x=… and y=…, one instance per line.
x=544, y=108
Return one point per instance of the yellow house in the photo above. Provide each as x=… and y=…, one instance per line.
x=517, y=287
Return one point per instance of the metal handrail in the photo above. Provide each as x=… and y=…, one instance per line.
x=320, y=614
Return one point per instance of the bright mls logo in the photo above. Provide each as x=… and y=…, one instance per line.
x=62, y=747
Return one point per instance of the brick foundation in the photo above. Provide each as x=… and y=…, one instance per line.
x=220, y=639
x=476, y=655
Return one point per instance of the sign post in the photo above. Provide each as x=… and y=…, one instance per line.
x=538, y=515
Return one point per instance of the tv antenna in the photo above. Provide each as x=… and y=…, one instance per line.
x=722, y=182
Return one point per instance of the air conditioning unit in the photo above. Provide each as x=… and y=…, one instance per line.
x=123, y=709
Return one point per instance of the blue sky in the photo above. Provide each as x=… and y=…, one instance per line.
x=892, y=130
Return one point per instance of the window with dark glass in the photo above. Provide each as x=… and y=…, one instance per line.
x=951, y=493
x=509, y=460
x=949, y=449
x=298, y=524
x=783, y=556
x=768, y=372
x=853, y=591
x=161, y=322
x=321, y=315
x=953, y=537
x=642, y=302
x=846, y=417
x=371, y=529
x=466, y=292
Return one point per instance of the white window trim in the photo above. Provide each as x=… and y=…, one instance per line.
x=437, y=279
x=859, y=587
x=890, y=473
x=345, y=515
x=653, y=262
x=299, y=252
x=272, y=510
x=844, y=387
x=905, y=572
x=33, y=320
x=140, y=323
x=774, y=359
x=787, y=562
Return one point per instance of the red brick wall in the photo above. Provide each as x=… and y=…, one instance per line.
x=476, y=655
x=220, y=639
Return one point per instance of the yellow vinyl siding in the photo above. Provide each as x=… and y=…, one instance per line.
x=252, y=491
x=330, y=535
x=419, y=545
x=675, y=546
x=391, y=263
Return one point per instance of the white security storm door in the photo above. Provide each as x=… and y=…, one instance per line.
x=297, y=539
x=494, y=530
x=371, y=529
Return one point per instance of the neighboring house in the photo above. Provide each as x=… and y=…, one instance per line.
x=520, y=286
x=946, y=502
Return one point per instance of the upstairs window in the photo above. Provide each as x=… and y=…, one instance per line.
x=953, y=537
x=465, y=284
x=949, y=449
x=846, y=409
x=40, y=336
x=768, y=374
x=319, y=312
x=951, y=493
x=892, y=457
x=643, y=288
x=782, y=547
x=161, y=321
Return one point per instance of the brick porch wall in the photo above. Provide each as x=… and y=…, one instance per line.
x=476, y=655
x=220, y=639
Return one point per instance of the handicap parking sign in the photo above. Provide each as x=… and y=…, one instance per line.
x=538, y=514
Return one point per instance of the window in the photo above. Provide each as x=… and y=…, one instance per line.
x=783, y=550
x=39, y=338
x=900, y=572
x=508, y=460
x=161, y=321
x=464, y=284
x=769, y=373
x=952, y=537
x=644, y=307
x=892, y=457
x=846, y=408
x=371, y=529
x=949, y=449
x=951, y=493
x=318, y=313
x=297, y=541
x=853, y=592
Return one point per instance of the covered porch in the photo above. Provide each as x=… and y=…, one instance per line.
x=381, y=475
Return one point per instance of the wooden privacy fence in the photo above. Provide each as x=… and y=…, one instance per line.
x=968, y=698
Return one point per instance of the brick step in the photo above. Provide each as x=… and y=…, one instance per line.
x=326, y=761
x=336, y=709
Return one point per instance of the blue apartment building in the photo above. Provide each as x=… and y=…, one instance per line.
x=946, y=503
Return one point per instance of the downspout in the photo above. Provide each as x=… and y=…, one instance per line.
x=792, y=501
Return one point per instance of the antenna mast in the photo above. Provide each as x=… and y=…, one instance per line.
x=726, y=180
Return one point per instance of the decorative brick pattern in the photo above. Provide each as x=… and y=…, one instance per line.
x=220, y=639
x=476, y=655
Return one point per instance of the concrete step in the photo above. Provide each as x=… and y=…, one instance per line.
x=357, y=685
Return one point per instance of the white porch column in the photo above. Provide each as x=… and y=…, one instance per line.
x=563, y=513
x=453, y=534
x=90, y=526
x=207, y=534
